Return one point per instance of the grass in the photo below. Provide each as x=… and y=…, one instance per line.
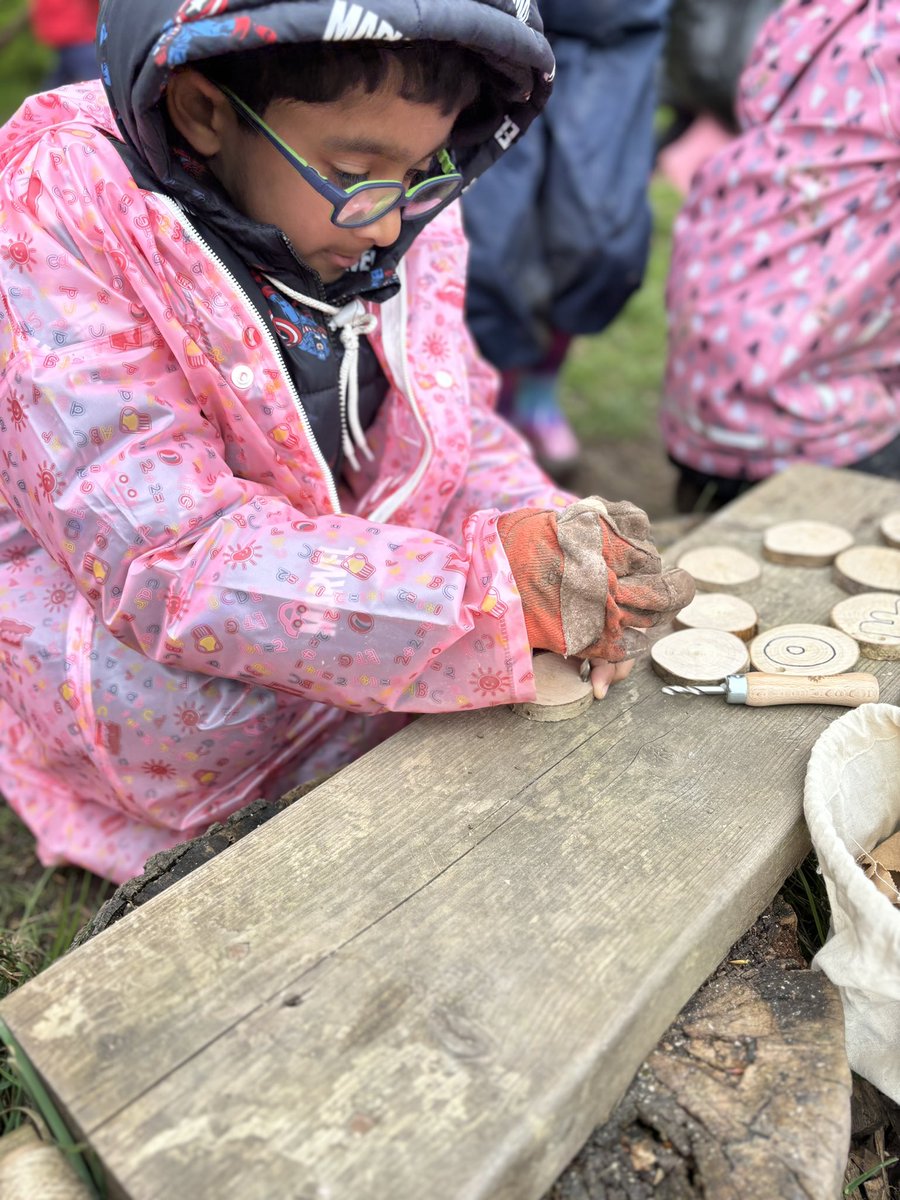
x=23, y=64
x=612, y=381
x=805, y=891
x=41, y=910
x=855, y=1184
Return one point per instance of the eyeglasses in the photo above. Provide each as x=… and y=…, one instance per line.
x=371, y=200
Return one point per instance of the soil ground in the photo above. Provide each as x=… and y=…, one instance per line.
x=628, y=469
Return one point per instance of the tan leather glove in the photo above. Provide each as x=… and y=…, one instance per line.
x=589, y=577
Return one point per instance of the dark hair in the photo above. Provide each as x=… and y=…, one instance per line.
x=445, y=74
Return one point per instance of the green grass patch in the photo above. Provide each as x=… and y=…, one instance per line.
x=41, y=910
x=804, y=889
x=612, y=381
x=854, y=1185
x=23, y=63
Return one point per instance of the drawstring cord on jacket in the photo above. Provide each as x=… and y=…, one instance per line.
x=352, y=322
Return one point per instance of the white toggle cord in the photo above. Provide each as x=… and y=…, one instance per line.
x=352, y=322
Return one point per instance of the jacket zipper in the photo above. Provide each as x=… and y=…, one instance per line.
x=272, y=344
x=388, y=507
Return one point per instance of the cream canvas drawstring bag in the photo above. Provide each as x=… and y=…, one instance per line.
x=852, y=803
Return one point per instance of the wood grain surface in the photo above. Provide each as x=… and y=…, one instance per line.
x=805, y=543
x=890, y=528
x=872, y=619
x=803, y=648
x=868, y=569
x=718, y=610
x=699, y=656
x=436, y=974
x=720, y=568
x=560, y=691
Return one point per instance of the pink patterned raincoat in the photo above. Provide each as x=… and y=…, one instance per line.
x=190, y=612
x=783, y=289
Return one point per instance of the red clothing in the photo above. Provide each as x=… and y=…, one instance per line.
x=59, y=23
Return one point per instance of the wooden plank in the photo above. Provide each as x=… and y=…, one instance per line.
x=437, y=973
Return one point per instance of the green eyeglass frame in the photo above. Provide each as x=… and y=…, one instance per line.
x=365, y=202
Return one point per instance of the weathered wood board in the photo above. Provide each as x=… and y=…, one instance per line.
x=438, y=972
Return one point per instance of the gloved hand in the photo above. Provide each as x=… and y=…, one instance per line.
x=590, y=577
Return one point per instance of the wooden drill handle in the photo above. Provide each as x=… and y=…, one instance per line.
x=848, y=690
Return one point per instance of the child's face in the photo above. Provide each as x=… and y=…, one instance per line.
x=361, y=136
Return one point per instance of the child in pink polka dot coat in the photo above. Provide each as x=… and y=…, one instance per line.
x=783, y=291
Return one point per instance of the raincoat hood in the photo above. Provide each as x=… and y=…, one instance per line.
x=140, y=44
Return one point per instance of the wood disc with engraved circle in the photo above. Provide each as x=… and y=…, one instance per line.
x=720, y=568
x=718, y=610
x=890, y=528
x=868, y=569
x=804, y=650
x=561, y=692
x=805, y=543
x=873, y=620
x=698, y=656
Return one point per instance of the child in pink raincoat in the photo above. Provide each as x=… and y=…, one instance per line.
x=782, y=296
x=258, y=505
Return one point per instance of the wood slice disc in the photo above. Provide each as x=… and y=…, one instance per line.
x=720, y=568
x=718, y=610
x=873, y=620
x=698, y=656
x=890, y=528
x=804, y=650
x=561, y=692
x=868, y=569
x=805, y=543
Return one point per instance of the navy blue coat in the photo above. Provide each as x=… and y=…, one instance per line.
x=560, y=227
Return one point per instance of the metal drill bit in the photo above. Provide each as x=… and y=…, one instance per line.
x=732, y=687
x=673, y=689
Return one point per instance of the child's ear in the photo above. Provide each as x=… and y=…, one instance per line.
x=199, y=111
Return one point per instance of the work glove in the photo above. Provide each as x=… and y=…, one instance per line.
x=589, y=577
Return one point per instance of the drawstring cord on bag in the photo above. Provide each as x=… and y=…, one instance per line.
x=352, y=322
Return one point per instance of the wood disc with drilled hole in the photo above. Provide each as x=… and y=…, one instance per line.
x=718, y=610
x=698, y=656
x=561, y=692
x=890, y=528
x=720, y=568
x=805, y=543
x=868, y=569
x=872, y=619
x=804, y=650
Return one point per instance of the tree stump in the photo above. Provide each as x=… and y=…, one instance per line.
x=746, y=1097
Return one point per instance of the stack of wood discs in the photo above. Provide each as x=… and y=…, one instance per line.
x=713, y=630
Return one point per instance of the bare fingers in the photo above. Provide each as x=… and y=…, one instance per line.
x=605, y=674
